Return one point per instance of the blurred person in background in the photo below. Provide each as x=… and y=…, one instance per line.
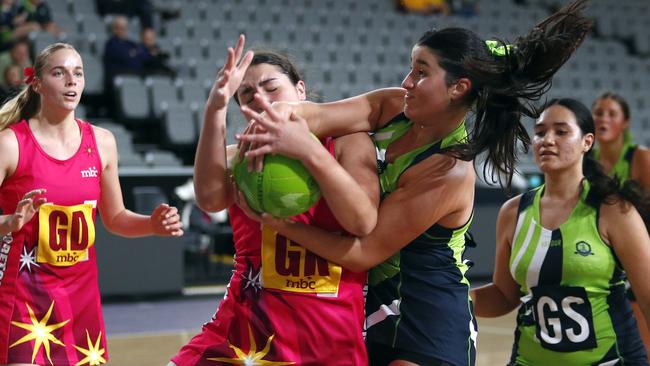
x=623, y=159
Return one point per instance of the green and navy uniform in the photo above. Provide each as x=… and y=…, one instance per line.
x=574, y=309
x=623, y=167
x=418, y=306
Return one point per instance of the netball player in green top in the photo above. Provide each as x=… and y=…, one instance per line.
x=621, y=157
x=616, y=151
x=561, y=252
x=417, y=308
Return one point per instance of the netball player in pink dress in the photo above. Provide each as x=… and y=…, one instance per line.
x=56, y=171
x=284, y=305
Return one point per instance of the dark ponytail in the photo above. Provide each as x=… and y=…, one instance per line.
x=504, y=86
x=607, y=190
x=603, y=188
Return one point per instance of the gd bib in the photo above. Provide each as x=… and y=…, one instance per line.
x=65, y=233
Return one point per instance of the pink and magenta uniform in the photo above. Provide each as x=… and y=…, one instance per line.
x=284, y=305
x=50, y=313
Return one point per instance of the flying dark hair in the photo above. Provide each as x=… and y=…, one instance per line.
x=504, y=86
x=279, y=60
x=603, y=188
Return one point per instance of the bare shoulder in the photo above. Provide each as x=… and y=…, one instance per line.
x=640, y=164
x=393, y=105
x=451, y=171
x=441, y=176
x=8, y=153
x=8, y=139
x=106, y=145
x=619, y=210
x=508, y=210
x=618, y=219
x=642, y=154
x=104, y=137
x=8, y=143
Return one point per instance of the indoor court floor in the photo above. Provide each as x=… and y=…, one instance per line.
x=149, y=333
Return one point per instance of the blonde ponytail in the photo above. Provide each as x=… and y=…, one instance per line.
x=22, y=106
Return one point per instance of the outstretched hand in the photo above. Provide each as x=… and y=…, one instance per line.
x=230, y=75
x=165, y=221
x=278, y=131
x=26, y=209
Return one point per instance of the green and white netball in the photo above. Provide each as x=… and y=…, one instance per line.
x=283, y=188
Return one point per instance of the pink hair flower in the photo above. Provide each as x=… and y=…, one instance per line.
x=28, y=73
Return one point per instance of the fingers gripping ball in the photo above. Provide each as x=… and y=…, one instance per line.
x=283, y=188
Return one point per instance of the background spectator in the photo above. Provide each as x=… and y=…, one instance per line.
x=11, y=82
x=38, y=11
x=121, y=54
x=13, y=24
x=18, y=55
x=143, y=9
x=155, y=59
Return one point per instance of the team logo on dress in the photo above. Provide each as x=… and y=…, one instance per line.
x=91, y=172
x=89, y=150
x=583, y=248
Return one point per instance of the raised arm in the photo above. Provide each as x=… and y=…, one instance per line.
x=353, y=194
x=502, y=295
x=403, y=215
x=116, y=218
x=211, y=182
x=624, y=229
x=363, y=113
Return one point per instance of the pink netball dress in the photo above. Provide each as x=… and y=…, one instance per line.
x=284, y=305
x=50, y=312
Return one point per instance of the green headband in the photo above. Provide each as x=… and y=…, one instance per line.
x=496, y=49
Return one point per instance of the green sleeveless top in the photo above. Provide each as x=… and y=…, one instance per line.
x=574, y=311
x=623, y=167
x=389, y=174
x=422, y=288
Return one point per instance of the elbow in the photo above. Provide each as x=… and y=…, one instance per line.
x=363, y=225
x=207, y=206
x=110, y=226
x=210, y=203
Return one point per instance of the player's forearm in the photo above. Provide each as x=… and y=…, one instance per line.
x=342, y=250
x=129, y=224
x=349, y=203
x=210, y=167
x=490, y=302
